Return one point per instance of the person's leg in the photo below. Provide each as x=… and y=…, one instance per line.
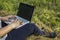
x=23, y=32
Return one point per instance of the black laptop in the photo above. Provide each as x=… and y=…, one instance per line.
x=25, y=13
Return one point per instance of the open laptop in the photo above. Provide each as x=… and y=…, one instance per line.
x=24, y=13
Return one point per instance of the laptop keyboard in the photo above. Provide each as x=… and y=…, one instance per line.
x=24, y=21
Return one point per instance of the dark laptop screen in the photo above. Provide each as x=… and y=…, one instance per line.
x=25, y=11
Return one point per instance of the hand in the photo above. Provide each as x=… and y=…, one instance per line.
x=6, y=18
x=11, y=16
x=16, y=23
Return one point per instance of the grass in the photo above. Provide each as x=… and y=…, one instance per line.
x=46, y=14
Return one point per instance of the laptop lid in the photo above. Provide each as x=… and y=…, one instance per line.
x=25, y=11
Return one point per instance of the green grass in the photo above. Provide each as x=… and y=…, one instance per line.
x=46, y=14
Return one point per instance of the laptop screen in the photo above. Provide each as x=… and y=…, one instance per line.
x=25, y=11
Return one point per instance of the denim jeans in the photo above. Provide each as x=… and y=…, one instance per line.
x=24, y=31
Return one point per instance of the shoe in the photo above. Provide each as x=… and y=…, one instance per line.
x=52, y=35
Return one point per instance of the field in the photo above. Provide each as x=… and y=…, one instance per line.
x=46, y=14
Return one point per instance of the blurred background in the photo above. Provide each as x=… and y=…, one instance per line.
x=46, y=14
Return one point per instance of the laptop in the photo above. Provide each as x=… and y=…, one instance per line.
x=24, y=13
